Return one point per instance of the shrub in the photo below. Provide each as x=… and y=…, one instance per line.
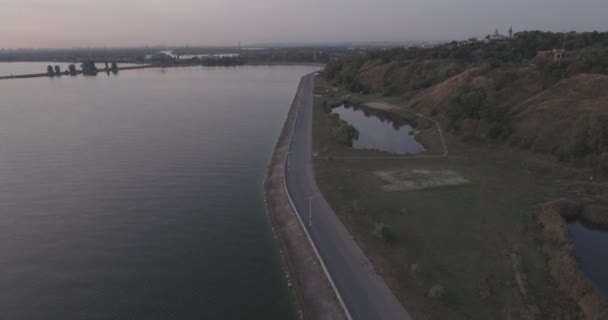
x=72, y=69
x=436, y=292
x=383, y=232
x=414, y=268
x=346, y=133
x=604, y=163
x=89, y=68
x=326, y=107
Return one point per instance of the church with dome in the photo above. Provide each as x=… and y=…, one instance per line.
x=496, y=36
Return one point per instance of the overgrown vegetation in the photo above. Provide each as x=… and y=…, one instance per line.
x=476, y=101
x=436, y=292
x=589, y=136
x=462, y=235
x=475, y=89
x=383, y=232
x=591, y=50
x=89, y=68
x=346, y=133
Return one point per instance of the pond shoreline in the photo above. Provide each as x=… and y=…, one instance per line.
x=563, y=263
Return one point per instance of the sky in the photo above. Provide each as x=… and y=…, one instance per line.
x=96, y=23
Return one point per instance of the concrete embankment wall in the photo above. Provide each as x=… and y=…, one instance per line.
x=315, y=295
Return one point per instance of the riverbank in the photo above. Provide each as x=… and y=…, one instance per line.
x=315, y=295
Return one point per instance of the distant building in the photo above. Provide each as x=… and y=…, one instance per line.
x=557, y=55
x=496, y=36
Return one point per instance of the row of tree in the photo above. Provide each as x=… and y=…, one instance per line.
x=88, y=68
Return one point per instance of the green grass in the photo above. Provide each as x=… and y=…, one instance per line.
x=460, y=237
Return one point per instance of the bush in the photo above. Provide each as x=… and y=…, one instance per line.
x=604, y=163
x=89, y=68
x=383, y=232
x=436, y=292
x=414, y=268
x=326, y=107
x=346, y=133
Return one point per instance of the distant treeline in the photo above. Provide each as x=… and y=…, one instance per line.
x=164, y=60
x=76, y=54
x=591, y=56
x=87, y=68
x=524, y=46
x=138, y=55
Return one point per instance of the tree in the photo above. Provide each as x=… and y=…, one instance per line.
x=346, y=133
x=50, y=71
x=598, y=133
x=72, y=69
x=579, y=140
x=114, y=68
x=89, y=68
x=383, y=232
x=436, y=292
x=57, y=70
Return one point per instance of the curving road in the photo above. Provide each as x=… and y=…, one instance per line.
x=364, y=292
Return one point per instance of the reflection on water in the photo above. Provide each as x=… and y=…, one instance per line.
x=140, y=196
x=380, y=130
x=592, y=250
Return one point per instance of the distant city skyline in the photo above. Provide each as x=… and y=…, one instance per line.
x=127, y=23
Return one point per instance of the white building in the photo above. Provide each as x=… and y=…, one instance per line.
x=496, y=36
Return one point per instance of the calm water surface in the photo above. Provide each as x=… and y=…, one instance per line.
x=378, y=131
x=139, y=196
x=592, y=249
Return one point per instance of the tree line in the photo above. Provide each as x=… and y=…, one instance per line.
x=87, y=68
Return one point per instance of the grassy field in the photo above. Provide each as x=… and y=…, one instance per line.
x=473, y=240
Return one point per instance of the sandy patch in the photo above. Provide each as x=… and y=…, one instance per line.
x=380, y=106
x=403, y=180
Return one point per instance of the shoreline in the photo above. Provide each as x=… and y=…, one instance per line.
x=564, y=267
x=315, y=295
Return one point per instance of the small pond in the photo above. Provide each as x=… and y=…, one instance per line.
x=380, y=131
x=592, y=250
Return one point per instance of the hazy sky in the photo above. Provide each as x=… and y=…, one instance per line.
x=66, y=23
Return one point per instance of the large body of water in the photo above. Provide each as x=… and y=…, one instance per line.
x=592, y=250
x=379, y=131
x=139, y=196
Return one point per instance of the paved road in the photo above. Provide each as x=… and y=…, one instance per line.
x=366, y=295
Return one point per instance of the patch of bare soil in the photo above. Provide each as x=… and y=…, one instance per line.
x=416, y=179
